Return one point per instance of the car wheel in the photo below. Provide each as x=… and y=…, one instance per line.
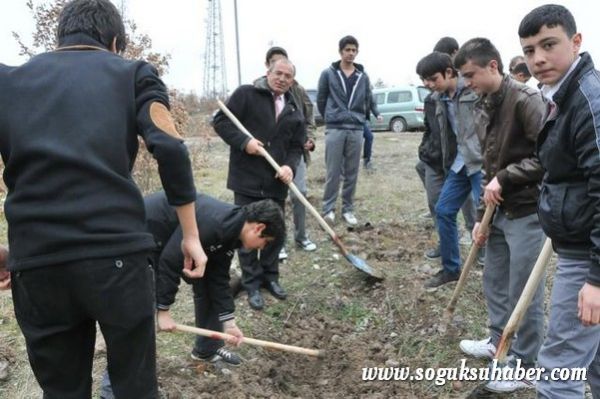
x=398, y=125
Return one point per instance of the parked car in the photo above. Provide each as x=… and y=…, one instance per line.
x=401, y=108
x=312, y=94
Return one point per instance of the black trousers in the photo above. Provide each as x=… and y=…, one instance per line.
x=257, y=271
x=57, y=308
x=206, y=317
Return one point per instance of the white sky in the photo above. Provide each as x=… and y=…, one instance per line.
x=393, y=35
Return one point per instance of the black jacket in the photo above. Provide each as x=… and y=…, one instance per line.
x=220, y=227
x=69, y=130
x=569, y=203
x=430, y=149
x=284, y=139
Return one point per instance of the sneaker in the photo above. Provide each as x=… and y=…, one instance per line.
x=306, y=245
x=479, y=349
x=283, y=254
x=221, y=355
x=433, y=253
x=330, y=217
x=369, y=166
x=507, y=386
x=442, y=277
x=350, y=218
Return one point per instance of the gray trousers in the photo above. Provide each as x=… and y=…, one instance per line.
x=568, y=343
x=433, y=182
x=342, y=157
x=513, y=246
x=298, y=208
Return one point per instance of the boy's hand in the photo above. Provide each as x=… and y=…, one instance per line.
x=478, y=238
x=195, y=259
x=230, y=328
x=253, y=147
x=285, y=174
x=589, y=305
x=165, y=321
x=492, y=193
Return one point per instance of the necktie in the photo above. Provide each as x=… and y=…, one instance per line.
x=278, y=105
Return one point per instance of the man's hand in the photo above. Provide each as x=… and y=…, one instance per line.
x=285, y=174
x=478, y=238
x=4, y=273
x=253, y=147
x=230, y=328
x=379, y=118
x=492, y=193
x=195, y=259
x=589, y=305
x=309, y=145
x=165, y=321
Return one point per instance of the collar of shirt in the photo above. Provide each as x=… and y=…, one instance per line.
x=549, y=91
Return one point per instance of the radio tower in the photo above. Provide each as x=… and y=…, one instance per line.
x=215, y=76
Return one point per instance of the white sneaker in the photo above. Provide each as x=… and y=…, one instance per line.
x=330, y=217
x=483, y=348
x=350, y=218
x=466, y=239
x=283, y=254
x=506, y=386
x=307, y=245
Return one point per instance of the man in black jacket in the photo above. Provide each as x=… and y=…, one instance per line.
x=79, y=250
x=270, y=113
x=225, y=228
x=569, y=203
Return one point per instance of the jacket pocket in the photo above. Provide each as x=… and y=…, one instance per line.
x=566, y=212
x=550, y=206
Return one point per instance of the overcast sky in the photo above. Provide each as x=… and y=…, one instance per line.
x=393, y=35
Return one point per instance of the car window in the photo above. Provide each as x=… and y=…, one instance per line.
x=380, y=98
x=423, y=92
x=312, y=94
x=399, y=97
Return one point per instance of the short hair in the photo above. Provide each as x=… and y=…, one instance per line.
x=479, y=50
x=550, y=15
x=346, y=40
x=284, y=61
x=275, y=50
x=98, y=19
x=521, y=68
x=447, y=45
x=517, y=59
x=268, y=212
x=434, y=63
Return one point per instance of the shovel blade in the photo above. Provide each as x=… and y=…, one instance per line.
x=361, y=265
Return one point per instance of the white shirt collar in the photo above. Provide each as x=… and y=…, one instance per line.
x=549, y=91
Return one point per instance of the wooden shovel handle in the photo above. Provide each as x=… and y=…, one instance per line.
x=257, y=342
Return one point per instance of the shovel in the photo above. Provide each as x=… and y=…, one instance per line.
x=357, y=262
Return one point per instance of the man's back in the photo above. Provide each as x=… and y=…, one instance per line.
x=68, y=137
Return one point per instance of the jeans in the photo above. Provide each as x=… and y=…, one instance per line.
x=455, y=191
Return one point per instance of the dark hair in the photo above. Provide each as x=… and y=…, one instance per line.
x=479, y=50
x=346, y=40
x=551, y=15
x=434, y=63
x=98, y=19
x=521, y=68
x=447, y=45
x=275, y=50
x=268, y=212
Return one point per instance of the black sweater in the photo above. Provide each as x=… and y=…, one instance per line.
x=69, y=131
x=220, y=228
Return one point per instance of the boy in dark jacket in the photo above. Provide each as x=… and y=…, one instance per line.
x=508, y=117
x=79, y=249
x=225, y=228
x=270, y=113
x=569, y=204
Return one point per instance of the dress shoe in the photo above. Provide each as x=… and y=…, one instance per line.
x=255, y=300
x=275, y=289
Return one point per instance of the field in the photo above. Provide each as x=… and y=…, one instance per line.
x=331, y=306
